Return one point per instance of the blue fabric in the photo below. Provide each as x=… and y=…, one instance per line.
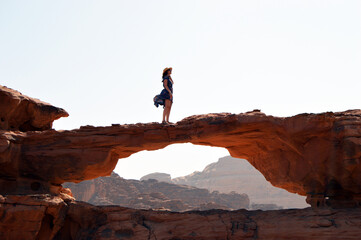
x=160, y=98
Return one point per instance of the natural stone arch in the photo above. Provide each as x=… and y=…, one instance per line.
x=310, y=154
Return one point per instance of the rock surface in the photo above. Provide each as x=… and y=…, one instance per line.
x=48, y=217
x=151, y=194
x=314, y=155
x=19, y=112
x=233, y=174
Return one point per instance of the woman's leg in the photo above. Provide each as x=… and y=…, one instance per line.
x=168, y=113
x=164, y=114
x=166, y=109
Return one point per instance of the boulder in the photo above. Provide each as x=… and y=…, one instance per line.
x=20, y=112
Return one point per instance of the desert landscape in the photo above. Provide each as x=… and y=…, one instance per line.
x=228, y=184
x=230, y=174
x=151, y=194
x=180, y=120
x=313, y=155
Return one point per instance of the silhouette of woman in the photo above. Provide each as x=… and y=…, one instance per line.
x=165, y=98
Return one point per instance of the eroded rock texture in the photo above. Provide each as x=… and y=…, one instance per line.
x=19, y=112
x=316, y=155
x=48, y=217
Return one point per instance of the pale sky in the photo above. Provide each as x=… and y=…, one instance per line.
x=102, y=62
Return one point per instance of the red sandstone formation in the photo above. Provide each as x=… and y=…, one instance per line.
x=310, y=154
x=316, y=155
x=19, y=112
x=151, y=194
x=46, y=217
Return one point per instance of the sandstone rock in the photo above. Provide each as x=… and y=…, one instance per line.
x=234, y=174
x=310, y=154
x=49, y=217
x=151, y=194
x=31, y=217
x=19, y=112
x=316, y=155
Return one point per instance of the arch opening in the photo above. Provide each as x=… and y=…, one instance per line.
x=175, y=159
x=211, y=168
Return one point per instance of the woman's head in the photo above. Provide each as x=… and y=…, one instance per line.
x=167, y=71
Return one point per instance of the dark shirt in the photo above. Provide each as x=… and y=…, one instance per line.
x=169, y=83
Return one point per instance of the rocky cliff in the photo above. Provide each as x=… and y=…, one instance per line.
x=45, y=217
x=314, y=155
x=151, y=194
x=20, y=112
x=234, y=174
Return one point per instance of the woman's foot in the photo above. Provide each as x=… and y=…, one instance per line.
x=165, y=123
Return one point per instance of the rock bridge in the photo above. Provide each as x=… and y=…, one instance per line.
x=315, y=155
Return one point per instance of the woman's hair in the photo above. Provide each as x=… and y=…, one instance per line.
x=165, y=73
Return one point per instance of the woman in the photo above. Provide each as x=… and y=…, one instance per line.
x=165, y=98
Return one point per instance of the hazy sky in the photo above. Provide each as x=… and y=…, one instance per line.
x=102, y=62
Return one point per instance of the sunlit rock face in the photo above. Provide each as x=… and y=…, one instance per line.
x=315, y=155
x=20, y=112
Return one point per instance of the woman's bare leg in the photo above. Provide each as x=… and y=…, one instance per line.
x=168, y=113
x=164, y=113
x=166, y=110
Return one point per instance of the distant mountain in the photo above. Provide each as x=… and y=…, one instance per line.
x=161, y=177
x=238, y=175
x=114, y=190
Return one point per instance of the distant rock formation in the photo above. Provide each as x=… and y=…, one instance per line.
x=265, y=207
x=234, y=174
x=160, y=177
x=151, y=194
